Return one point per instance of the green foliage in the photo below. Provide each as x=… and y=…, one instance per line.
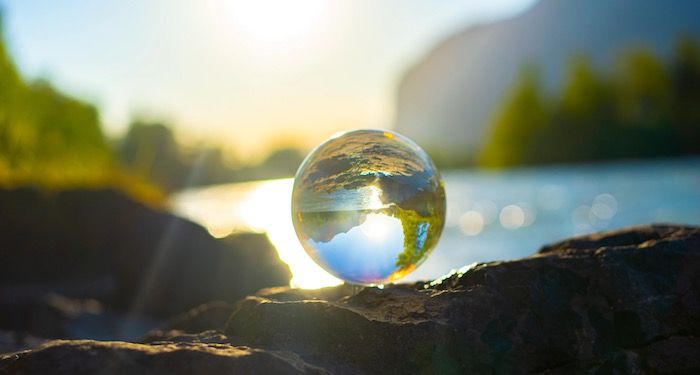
x=44, y=132
x=414, y=225
x=685, y=91
x=525, y=106
x=644, y=108
x=53, y=140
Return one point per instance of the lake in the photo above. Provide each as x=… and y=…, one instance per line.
x=491, y=215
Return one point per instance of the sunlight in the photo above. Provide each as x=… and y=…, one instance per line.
x=278, y=21
x=260, y=207
x=267, y=208
x=374, y=200
x=377, y=226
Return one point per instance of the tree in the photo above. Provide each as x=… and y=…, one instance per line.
x=520, y=121
x=644, y=108
x=150, y=151
x=685, y=107
x=45, y=134
x=522, y=117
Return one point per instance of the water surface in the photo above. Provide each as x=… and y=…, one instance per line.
x=490, y=215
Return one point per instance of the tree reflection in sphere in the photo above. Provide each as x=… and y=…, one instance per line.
x=368, y=206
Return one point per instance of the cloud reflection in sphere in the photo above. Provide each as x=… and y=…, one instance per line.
x=368, y=206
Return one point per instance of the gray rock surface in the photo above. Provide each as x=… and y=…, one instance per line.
x=103, y=248
x=618, y=302
x=203, y=354
x=13, y=341
x=627, y=301
x=210, y=316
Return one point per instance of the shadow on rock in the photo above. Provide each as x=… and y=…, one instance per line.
x=77, y=259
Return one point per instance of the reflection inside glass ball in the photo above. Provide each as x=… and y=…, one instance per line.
x=368, y=206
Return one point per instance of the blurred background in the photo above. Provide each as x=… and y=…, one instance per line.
x=547, y=119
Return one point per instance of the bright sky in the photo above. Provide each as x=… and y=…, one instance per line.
x=250, y=74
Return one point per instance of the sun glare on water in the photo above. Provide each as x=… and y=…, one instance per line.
x=261, y=207
x=267, y=209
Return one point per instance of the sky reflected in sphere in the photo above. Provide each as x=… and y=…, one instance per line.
x=368, y=206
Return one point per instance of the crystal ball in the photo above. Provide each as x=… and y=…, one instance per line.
x=368, y=206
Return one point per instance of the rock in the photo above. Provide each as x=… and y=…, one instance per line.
x=132, y=259
x=208, y=316
x=203, y=354
x=625, y=301
x=618, y=302
x=56, y=316
x=14, y=341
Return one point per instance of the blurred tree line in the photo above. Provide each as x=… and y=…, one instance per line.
x=150, y=151
x=50, y=139
x=643, y=108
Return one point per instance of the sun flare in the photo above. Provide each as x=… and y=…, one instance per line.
x=278, y=21
x=267, y=209
x=377, y=227
x=374, y=200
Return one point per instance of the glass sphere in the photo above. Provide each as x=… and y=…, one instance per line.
x=368, y=206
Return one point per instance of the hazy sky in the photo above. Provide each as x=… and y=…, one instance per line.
x=250, y=74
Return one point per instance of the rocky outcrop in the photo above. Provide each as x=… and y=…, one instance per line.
x=13, y=341
x=100, y=248
x=208, y=353
x=625, y=301
x=206, y=317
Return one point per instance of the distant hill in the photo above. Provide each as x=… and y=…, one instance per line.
x=447, y=99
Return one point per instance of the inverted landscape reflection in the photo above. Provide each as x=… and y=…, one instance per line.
x=368, y=206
